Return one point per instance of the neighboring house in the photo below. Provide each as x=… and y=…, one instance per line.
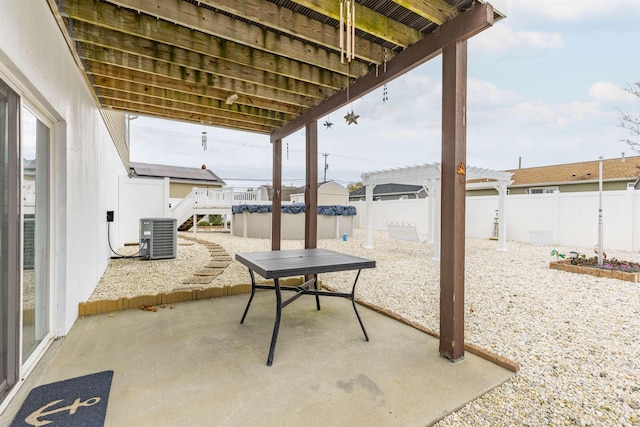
x=617, y=174
x=329, y=193
x=181, y=179
x=391, y=192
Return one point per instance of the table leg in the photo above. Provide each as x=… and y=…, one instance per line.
x=353, y=302
x=276, y=326
x=315, y=286
x=253, y=291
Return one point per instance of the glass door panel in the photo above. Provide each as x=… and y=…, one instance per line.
x=35, y=281
x=9, y=239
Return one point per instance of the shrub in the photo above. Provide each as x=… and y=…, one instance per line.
x=607, y=264
x=216, y=220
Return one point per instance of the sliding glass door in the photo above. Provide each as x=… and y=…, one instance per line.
x=25, y=286
x=35, y=235
x=9, y=239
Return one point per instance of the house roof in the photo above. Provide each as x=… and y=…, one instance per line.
x=387, y=190
x=300, y=190
x=286, y=191
x=175, y=172
x=612, y=170
x=257, y=66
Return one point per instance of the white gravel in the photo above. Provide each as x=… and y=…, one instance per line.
x=576, y=337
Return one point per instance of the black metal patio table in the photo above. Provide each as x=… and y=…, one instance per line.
x=300, y=262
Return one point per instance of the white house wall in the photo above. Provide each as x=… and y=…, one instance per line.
x=139, y=198
x=35, y=58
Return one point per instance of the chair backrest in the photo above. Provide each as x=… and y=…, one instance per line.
x=403, y=231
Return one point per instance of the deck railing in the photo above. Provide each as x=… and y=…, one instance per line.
x=207, y=198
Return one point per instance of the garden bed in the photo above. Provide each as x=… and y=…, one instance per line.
x=565, y=265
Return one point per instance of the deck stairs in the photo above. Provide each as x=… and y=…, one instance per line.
x=186, y=226
x=206, y=201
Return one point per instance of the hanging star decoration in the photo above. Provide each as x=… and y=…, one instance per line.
x=351, y=117
x=328, y=124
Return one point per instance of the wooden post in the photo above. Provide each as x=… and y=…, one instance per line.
x=276, y=201
x=311, y=186
x=454, y=100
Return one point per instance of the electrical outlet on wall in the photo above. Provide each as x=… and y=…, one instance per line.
x=109, y=216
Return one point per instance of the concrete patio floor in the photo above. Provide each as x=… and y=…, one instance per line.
x=197, y=365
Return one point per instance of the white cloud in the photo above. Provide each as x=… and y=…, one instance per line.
x=502, y=38
x=608, y=92
x=483, y=92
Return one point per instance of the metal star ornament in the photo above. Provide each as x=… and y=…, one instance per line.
x=328, y=124
x=351, y=117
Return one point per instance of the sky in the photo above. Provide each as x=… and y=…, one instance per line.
x=546, y=86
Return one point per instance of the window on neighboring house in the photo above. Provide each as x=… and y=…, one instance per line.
x=543, y=190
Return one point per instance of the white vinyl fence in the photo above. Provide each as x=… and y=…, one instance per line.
x=569, y=219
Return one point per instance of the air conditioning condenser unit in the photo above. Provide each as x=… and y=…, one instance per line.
x=158, y=238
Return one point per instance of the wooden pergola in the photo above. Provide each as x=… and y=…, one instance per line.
x=275, y=67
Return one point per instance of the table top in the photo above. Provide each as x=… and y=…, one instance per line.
x=275, y=264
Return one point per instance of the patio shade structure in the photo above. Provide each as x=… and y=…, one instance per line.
x=274, y=67
x=428, y=175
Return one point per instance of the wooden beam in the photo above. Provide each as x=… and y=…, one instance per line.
x=276, y=201
x=217, y=64
x=124, y=20
x=311, y=187
x=161, y=87
x=194, y=117
x=436, y=11
x=187, y=102
x=145, y=27
x=187, y=75
x=289, y=32
x=286, y=21
x=464, y=26
x=369, y=21
x=454, y=154
x=172, y=105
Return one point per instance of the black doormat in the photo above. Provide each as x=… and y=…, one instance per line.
x=77, y=402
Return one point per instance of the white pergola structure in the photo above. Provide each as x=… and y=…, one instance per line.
x=429, y=176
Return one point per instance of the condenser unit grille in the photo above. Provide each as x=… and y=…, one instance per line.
x=158, y=238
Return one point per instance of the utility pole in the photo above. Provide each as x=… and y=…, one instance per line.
x=326, y=166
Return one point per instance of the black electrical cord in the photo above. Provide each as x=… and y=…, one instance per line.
x=120, y=256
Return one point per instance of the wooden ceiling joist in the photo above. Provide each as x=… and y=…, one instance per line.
x=367, y=20
x=146, y=70
x=273, y=20
x=134, y=82
x=253, y=115
x=217, y=53
x=203, y=114
x=101, y=14
x=214, y=73
x=193, y=116
x=436, y=11
x=182, y=59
